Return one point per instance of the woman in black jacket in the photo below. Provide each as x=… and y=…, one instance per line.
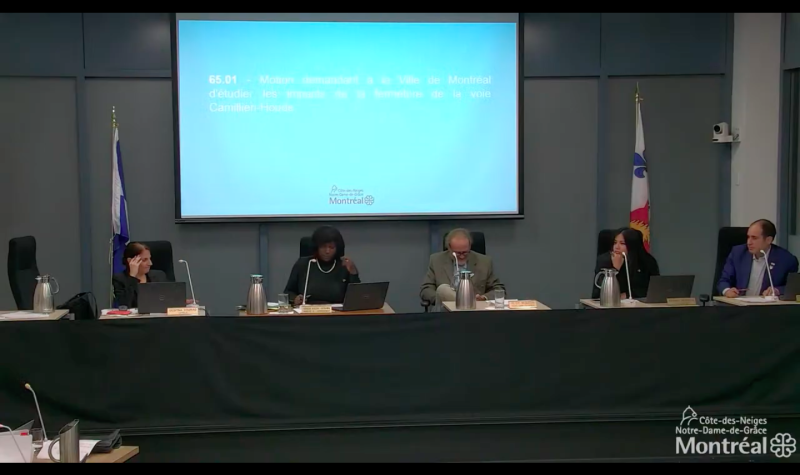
x=329, y=274
x=642, y=264
x=137, y=261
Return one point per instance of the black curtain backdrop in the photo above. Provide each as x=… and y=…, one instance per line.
x=172, y=375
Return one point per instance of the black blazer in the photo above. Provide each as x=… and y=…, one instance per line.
x=126, y=288
x=322, y=288
x=640, y=277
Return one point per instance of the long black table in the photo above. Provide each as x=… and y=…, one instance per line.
x=470, y=386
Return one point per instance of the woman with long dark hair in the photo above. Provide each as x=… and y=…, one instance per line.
x=642, y=265
x=137, y=261
x=329, y=276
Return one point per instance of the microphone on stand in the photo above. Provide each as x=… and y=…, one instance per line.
x=308, y=271
x=769, y=273
x=191, y=287
x=628, y=272
x=456, y=277
x=38, y=409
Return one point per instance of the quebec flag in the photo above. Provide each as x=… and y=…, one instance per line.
x=120, y=236
x=640, y=192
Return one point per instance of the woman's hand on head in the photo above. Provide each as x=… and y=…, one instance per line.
x=617, y=259
x=133, y=265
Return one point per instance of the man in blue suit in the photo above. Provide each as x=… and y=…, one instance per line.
x=745, y=272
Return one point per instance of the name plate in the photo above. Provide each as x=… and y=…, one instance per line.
x=682, y=302
x=522, y=304
x=315, y=309
x=183, y=312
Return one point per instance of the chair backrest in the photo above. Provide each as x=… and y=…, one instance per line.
x=478, y=242
x=726, y=240
x=605, y=240
x=307, y=247
x=22, y=270
x=161, y=255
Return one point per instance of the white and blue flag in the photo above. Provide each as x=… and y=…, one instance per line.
x=120, y=236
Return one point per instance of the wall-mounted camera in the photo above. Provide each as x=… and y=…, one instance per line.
x=722, y=133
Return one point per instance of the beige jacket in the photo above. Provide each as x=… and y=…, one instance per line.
x=441, y=270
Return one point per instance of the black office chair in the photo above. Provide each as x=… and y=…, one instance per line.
x=478, y=245
x=727, y=239
x=161, y=255
x=22, y=270
x=605, y=240
x=307, y=247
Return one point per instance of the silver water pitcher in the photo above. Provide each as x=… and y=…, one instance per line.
x=256, y=298
x=69, y=447
x=43, y=301
x=465, y=291
x=609, y=289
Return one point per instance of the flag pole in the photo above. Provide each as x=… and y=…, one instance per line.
x=111, y=241
x=637, y=100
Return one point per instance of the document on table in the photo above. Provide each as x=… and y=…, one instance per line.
x=755, y=299
x=26, y=315
x=86, y=447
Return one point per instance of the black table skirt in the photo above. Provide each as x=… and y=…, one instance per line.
x=481, y=374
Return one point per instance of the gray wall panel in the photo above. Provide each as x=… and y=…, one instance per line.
x=562, y=44
x=130, y=41
x=38, y=182
x=40, y=43
x=663, y=43
x=791, y=52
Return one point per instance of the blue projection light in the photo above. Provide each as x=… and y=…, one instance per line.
x=302, y=120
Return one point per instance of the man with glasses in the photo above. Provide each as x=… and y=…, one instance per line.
x=442, y=278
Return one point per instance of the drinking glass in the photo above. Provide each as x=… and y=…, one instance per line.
x=284, y=306
x=500, y=299
x=37, y=439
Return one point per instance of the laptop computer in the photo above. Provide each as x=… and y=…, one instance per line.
x=792, y=288
x=25, y=427
x=663, y=287
x=364, y=296
x=157, y=297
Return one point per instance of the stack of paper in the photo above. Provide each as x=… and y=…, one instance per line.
x=25, y=315
x=757, y=299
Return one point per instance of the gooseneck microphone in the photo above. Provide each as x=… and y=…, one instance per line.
x=769, y=273
x=308, y=271
x=456, y=277
x=38, y=409
x=628, y=271
x=191, y=287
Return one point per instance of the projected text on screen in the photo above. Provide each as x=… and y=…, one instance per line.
x=294, y=119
